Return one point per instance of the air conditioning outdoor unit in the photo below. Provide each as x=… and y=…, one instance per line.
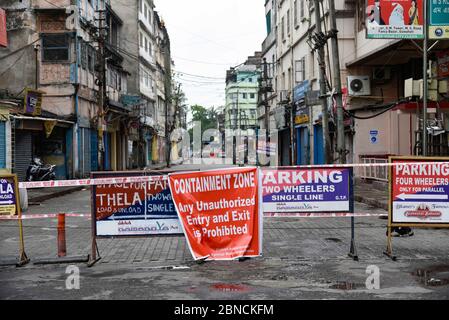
x=359, y=85
x=284, y=96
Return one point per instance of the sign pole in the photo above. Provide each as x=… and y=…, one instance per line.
x=94, y=247
x=389, y=251
x=353, y=249
x=23, y=259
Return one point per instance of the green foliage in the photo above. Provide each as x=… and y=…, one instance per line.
x=207, y=117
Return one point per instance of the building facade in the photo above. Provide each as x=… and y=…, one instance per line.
x=381, y=118
x=242, y=89
x=148, y=60
x=52, y=57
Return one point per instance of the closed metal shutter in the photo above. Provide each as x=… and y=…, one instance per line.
x=85, y=152
x=2, y=145
x=94, y=150
x=22, y=153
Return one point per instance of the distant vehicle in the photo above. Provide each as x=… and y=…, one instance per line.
x=37, y=171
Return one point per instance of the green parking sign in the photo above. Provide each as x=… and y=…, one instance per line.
x=439, y=19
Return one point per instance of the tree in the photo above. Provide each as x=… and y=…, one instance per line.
x=207, y=117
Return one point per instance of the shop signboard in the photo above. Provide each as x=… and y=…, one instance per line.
x=33, y=102
x=399, y=19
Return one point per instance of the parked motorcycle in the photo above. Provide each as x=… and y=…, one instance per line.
x=37, y=171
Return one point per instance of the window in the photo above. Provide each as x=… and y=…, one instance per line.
x=55, y=47
x=282, y=29
x=244, y=95
x=295, y=12
x=253, y=112
x=250, y=79
x=252, y=95
x=268, y=21
x=141, y=39
x=145, y=10
x=84, y=49
x=288, y=22
x=140, y=5
x=146, y=44
x=311, y=5
x=312, y=64
x=91, y=58
x=360, y=16
x=300, y=72
x=301, y=8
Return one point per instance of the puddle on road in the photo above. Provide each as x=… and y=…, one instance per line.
x=434, y=276
x=344, y=285
x=225, y=287
x=333, y=239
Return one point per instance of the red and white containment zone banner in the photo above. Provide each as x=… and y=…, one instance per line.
x=220, y=212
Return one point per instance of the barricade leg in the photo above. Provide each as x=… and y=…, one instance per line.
x=62, y=252
x=353, y=249
x=389, y=251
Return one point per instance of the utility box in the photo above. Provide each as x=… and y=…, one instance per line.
x=443, y=87
x=412, y=88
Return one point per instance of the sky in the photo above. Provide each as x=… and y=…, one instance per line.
x=207, y=38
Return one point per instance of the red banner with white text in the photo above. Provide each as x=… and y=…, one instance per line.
x=220, y=212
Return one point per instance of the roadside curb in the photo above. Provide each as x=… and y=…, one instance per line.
x=372, y=202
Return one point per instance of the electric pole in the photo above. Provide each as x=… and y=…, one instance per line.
x=341, y=148
x=267, y=111
x=425, y=84
x=101, y=84
x=323, y=87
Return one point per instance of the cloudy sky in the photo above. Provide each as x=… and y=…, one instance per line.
x=209, y=36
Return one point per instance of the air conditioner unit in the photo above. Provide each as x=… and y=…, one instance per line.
x=381, y=73
x=284, y=96
x=359, y=85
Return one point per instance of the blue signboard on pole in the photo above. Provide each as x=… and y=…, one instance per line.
x=439, y=19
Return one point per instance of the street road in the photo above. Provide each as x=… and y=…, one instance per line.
x=303, y=258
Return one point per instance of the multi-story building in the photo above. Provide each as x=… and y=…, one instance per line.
x=389, y=119
x=52, y=58
x=149, y=62
x=267, y=90
x=242, y=89
x=381, y=118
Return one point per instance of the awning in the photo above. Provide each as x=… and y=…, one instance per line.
x=20, y=117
